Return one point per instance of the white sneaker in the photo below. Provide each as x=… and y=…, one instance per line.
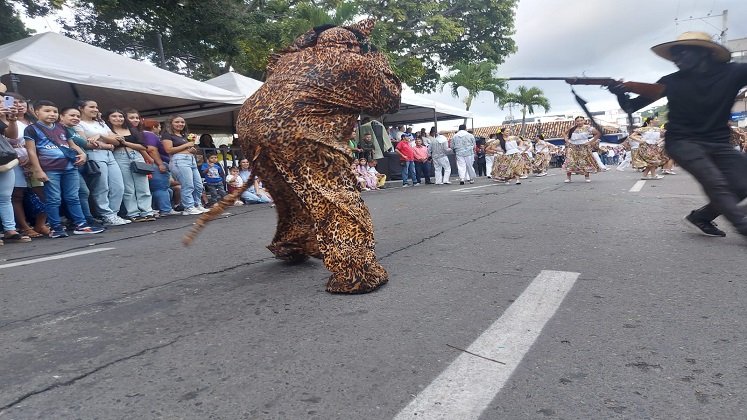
x=191, y=211
x=115, y=221
x=171, y=213
x=202, y=209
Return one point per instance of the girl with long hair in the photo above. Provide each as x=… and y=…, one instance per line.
x=181, y=148
x=578, y=158
x=651, y=139
x=509, y=165
x=107, y=188
x=136, y=198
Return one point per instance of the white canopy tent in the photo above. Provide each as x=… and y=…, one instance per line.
x=52, y=66
x=416, y=109
x=222, y=120
x=413, y=109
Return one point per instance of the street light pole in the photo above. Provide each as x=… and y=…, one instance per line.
x=161, y=56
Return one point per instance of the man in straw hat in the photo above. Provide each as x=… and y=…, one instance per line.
x=701, y=95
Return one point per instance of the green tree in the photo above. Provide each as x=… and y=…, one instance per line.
x=12, y=27
x=202, y=39
x=475, y=78
x=206, y=38
x=423, y=38
x=527, y=99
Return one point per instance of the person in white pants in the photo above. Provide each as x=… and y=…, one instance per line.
x=463, y=144
x=439, y=149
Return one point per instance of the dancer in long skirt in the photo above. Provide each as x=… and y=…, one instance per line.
x=508, y=165
x=578, y=157
x=542, y=154
x=526, y=156
x=650, y=137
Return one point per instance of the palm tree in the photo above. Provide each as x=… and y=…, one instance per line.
x=527, y=99
x=475, y=78
x=309, y=15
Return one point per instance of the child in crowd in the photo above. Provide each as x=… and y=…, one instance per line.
x=54, y=158
x=371, y=180
x=214, y=176
x=360, y=179
x=255, y=194
x=380, y=178
x=234, y=181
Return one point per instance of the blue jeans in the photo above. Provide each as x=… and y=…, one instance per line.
x=63, y=186
x=250, y=197
x=83, y=194
x=184, y=168
x=136, y=198
x=107, y=189
x=159, y=189
x=408, y=171
x=7, y=180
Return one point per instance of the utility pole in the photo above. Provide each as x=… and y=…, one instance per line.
x=724, y=27
x=724, y=23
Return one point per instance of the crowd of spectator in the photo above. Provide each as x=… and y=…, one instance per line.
x=80, y=170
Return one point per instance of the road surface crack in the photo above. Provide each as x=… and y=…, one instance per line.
x=108, y=302
x=437, y=234
x=85, y=374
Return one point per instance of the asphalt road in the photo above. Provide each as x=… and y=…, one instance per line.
x=653, y=327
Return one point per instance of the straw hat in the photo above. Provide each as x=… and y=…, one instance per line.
x=695, y=39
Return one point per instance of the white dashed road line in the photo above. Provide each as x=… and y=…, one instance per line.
x=470, y=383
x=638, y=186
x=55, y=257
x=471, y=188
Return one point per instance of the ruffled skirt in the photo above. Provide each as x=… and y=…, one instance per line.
x=507, y=167
x=578, y=159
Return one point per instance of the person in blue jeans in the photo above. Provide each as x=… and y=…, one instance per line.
x=46, y=142
x=107, y=189
x=214, y=178
x=255, y=194
x=160, y=179
x=407, y=160
x=70, y=118
x=181, y=148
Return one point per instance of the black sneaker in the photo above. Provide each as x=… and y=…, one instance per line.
x=700, y=226
x=58, y=232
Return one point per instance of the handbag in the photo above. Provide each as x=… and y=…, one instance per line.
x=70, y=153
x=91, y=168
x=7, y=152
x=142, y=167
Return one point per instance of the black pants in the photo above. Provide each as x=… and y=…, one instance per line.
x=721, y=171
x=480, y=166
x=423, y=170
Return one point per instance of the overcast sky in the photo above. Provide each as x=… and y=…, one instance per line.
x=597, y=38
x=604, y=38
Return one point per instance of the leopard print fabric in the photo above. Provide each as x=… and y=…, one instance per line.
x=297, y=126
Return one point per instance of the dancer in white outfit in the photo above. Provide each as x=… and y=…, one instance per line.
x=439, y=148
x=463, y=144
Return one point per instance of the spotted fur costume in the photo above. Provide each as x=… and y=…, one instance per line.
x=296, y=127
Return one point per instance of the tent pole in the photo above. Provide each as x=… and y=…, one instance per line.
x=435, y=120
x=14, y=81
x=75, y=91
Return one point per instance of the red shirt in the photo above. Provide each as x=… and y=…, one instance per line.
x=407, y=153
x=420, y=153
